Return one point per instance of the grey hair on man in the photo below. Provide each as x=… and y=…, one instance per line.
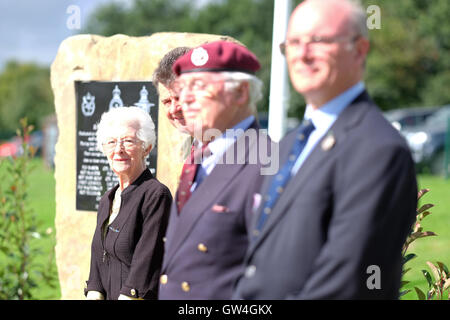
x=255, y=86
x=164, y=74
x=358, y=17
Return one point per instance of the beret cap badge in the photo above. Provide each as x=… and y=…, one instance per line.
x=217, y=56
x=199, y=57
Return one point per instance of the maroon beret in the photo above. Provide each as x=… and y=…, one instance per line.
x=217, y=56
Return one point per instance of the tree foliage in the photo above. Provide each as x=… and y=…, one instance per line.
x=24, y=91
x=407, y=66
x=409, y=62
x=20, y=234
x=215, y=17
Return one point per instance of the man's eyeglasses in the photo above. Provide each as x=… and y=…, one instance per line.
x=314, y=42
x=127, y=143
x=193, y=85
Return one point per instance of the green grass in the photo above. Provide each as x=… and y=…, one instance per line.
x=42, y=200
x=435, y=248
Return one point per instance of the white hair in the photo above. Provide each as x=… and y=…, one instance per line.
x=358, y=17
x=122, y=117
x=255, y=86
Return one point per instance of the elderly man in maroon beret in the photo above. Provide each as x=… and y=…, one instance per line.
x=208, y=228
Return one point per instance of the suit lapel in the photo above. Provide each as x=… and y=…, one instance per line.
x=127, y=207
x=349, y=118
x=106, y=206
x=204, y=197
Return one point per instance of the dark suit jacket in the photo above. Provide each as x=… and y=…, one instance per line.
x=206, y=241
x=346, y=210
x=133, y=243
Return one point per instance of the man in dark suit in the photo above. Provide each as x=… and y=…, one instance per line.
x=207, y=235
x=333, y=220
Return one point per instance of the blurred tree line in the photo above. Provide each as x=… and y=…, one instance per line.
x=24, y=92
x=409, y=64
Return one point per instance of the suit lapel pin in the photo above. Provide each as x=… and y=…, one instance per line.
x=328, y=142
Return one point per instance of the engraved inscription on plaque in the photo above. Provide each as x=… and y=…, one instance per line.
x=94, y=176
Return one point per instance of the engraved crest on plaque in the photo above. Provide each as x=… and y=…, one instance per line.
x=88, y=105
x=116, y=101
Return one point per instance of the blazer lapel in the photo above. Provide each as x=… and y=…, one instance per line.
x=204, y=197
x=318, y=157
x=128, y=205
x=106, y=206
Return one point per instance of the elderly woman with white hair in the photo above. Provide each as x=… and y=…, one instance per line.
x=127, y=247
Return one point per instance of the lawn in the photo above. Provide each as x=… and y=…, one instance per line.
x=42, y=200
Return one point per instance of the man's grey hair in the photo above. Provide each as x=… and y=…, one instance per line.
x=122, y=117
x=255, y=86
x=163, y=73
x=358, y=17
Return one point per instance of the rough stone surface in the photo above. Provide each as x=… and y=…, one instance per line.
x=116, y=58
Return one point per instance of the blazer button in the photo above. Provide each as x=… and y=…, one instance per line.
x=185, y=286
x=250, y=271
x=133, y=292
x=163, y=279
x=201, y=247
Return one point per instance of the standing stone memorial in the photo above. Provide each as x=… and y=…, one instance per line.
x=89, y=75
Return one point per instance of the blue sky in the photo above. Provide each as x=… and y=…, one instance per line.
x=32, y=30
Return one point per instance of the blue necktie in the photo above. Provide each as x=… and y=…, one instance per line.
x=280, y=180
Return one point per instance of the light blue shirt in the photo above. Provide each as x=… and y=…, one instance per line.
x=323, y=118
x=217, y=147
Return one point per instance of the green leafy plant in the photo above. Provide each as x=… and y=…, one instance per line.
x=439, y=279
x=20, y=235
x=439, y=286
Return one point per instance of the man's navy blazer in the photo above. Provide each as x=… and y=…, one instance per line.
x=206, y=242
x=338, y=228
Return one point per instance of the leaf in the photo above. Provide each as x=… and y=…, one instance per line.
x=409, y=257
x=434, y=270
x=417, y=235
x=428, y=277
x=417, y=228
x=447, y=284
x=405, y=271
x=402, y=293
x=421, y=193
x=422, y=215
x=425, y=207
x=431, y=294
x=443, y=267
x=420, y=294
x=403, y=283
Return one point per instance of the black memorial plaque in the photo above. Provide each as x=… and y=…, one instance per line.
x=94, y=176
